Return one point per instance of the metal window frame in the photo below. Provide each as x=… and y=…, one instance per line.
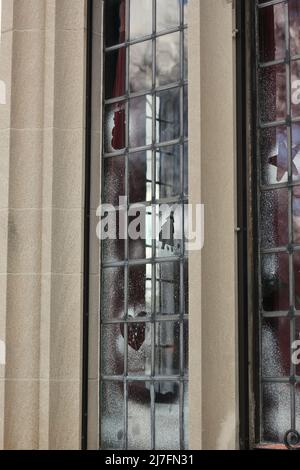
x=180, y=379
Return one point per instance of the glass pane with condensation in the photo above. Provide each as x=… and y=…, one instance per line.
x=112, y=293
x=114, y=127
x=140, y=231
x=274, y=155
x=139, y=416
x=276, y=360
x=168, y=288
x=275, y=282
x=167, y=420
x=112, y=415
x=294, y=19
x=296, y=151
x=112, y=235
x=274, y=218
x=112, y=345
x=295, y=88
x=272, y=93
x=276, y=414
x=139, y=290
x=140, y=176
x=140, y=18
x=167, y=348
x=139, y=348
x=114, y=180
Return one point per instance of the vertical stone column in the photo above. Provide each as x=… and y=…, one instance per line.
x=42, y=264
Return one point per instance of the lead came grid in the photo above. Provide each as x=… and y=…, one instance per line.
x=277, y=208
x=144, y=299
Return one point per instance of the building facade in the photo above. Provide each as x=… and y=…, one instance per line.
x=87, y=353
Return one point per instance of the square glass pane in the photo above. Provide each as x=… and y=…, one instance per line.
x=115, y=127
x=167, y=14
x=295, y=88
x=140, y=18
x=139, y=416
x=115, y=16
x=140, y=177
x=140, y=290
x=167, y=416
x=167, y=348
x=140, y=121
x=168, y=115
x=112, y=293
x=168, y=288
x=168, y=172
x=294, y=19
x=140, y=66
x=272, y=32
x=112, y=349
x=272, y=93
x=115, y=73
x=139, y=348
x=275, y=282
x=114, y=179
x=276, y=347
x=273, y=155
x=112, y=415
x=168, y=59
x=274, y=218
x=169, y=225
x=276, y=412
x=140, y=231
x=113, y=229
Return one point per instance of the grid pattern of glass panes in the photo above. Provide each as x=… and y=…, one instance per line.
x=144, y=297
x=278, y=170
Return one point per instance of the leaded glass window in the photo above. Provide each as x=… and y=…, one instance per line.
x=278, y=204
x=144, y=295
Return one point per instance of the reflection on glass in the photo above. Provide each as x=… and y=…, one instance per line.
x=112, y=343
x=167, y=348
x=275, y=282
x=295, y=88
x=296, y=151
x=294, y=19
x=114, y=180
x=272, y=93
x=274, y=155
x=115, y=72
x=168, y=14
x=114, y=15
x=112, y=293
x=274, y=218
x=168, y=172
x=169, y=230
x=276, y=413
x=140, y=121
x=167, y=416
x=272, y=33
x=140, y=18
x=276, y=347
x=112, y=415
x=139, y=348
x=140, y=232
x=140, y=66
x=140, y=170
x=139, y=294
x=139, y=416
x=114, y=127
x=168, y=59
x=168, y=289
x=168, y=115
